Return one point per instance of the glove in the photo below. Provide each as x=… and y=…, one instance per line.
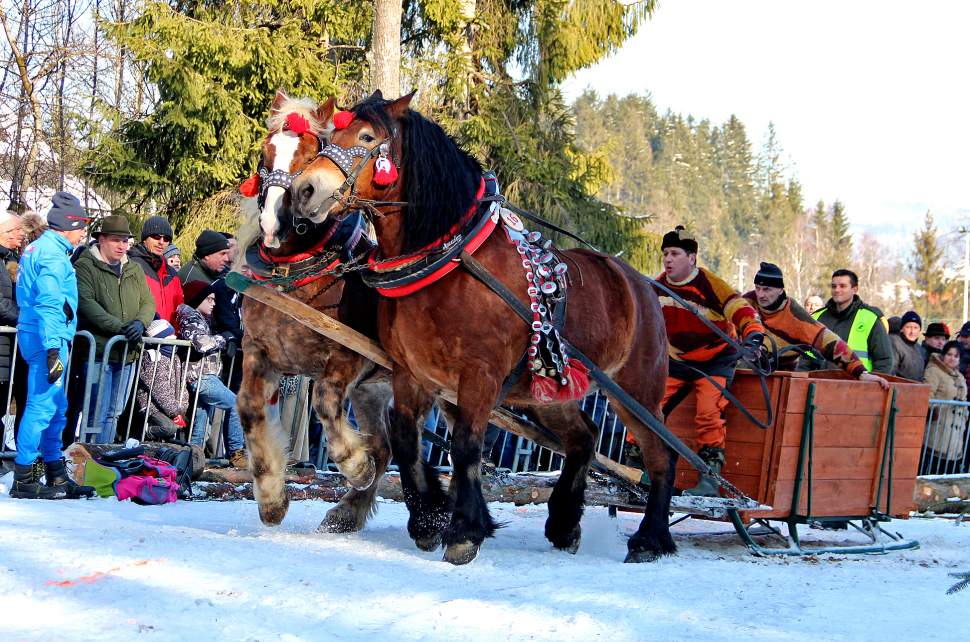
x=55, y=367
x=133, y=330
x=231, y=348
x=752, y=347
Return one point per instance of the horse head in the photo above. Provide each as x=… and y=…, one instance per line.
x=297, y=128
x=395, y=164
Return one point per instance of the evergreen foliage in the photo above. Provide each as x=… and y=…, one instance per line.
x=929, y=290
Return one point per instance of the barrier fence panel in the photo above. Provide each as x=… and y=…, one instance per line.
x=946, y=445
x=7, y=424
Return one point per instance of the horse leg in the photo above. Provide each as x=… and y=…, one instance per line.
x=345, y=446
x=370, y=400
x=652, y=539
x=267, y=459
x=578, y=435
x=471, y=521
x=428, y=504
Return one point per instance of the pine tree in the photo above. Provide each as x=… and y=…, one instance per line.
x=926, y=265
x=839, y=238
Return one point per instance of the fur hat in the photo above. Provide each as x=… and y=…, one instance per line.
x=679, y=237
x=937, y=330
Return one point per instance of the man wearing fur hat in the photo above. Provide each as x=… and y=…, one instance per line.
x=114, y=300
x=790, y=324
x=48, y=298
x=694, y=348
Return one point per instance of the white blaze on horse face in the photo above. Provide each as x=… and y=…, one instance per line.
x=286, y=145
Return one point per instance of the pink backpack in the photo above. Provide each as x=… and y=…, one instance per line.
x=155, y=483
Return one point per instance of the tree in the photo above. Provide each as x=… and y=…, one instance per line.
x=839, y=239
x=926, y=264
x=385, y=54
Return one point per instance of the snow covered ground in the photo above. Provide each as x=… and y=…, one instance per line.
x=104, y=570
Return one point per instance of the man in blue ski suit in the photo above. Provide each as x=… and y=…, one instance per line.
x=47, y=294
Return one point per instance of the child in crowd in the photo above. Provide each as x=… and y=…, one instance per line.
x=162, y=397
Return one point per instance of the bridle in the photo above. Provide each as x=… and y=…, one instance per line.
x=284, y=179
x=346, y=194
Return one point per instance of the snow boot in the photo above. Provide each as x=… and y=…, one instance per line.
x=707, y=487
x=57, y=478
x=26, y=483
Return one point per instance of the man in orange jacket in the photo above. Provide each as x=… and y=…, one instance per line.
x=694, y=348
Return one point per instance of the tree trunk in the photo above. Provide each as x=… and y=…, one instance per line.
x=386, y=48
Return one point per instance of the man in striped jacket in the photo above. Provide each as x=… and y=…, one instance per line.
x=789, y=324
x=697, y=354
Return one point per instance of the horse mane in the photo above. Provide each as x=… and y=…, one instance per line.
x=440, y=178
x=306, y=107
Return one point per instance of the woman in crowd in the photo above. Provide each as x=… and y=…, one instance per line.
x=948, y=425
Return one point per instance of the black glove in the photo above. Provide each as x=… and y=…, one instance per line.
x=133, y=330
x=55, y=367
x=231, y=348
x=752, y=347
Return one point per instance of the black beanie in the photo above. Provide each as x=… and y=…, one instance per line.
x=210, y=242
x=66, y=213
x=679, y=237
x=156, y=225
x=769, y=275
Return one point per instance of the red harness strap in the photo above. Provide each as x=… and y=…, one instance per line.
x=471, y=245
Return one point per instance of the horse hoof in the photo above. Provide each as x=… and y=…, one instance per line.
x=428, y=544
x=273, y=514
x=570, y=543
x=461, y=553
x=641, y=557
x=364, y=477
x=337, y=521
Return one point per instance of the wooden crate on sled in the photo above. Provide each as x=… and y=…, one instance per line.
x=850, y=451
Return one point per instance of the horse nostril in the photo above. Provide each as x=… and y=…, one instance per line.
x=306, y=192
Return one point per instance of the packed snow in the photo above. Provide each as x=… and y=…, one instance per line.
x=106, y=570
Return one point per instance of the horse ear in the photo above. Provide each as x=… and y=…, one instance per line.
x=278, y=101
x=397, y=108
x=377, y=95
x=325, y=111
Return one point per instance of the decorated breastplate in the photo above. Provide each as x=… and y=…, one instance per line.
x=554, y=375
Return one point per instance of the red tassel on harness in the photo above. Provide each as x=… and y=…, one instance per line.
x=342, y=118
x=296, y=123
x=385, y=173
x=250, y=186
x=545, y=389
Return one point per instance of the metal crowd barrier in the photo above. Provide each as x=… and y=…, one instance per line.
x=946, y=445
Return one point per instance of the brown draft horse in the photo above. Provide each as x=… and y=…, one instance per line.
x=457, y=335
x=275, y=345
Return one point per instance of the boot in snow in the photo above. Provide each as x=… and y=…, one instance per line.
x=26, y=483
x=57, y=477
x=707, y=487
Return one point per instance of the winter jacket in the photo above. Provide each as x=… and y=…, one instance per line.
x=879, y=349
x=206, y=346
x=162, y=375
x=907, y=358
x=226, y=319
x=163, y=281
x=47, y=290
x=949, y=425
x=9, y=312
x=109, y=301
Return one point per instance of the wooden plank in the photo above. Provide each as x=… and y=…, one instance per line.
x=881, y=447
x=829, y=463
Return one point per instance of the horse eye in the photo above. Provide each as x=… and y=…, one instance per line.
x=367, y=138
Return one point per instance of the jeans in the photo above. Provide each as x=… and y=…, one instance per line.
x=115, y=383
x=214, y=394
x=44, y=416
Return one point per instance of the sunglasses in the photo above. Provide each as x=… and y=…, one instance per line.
x=160, y=237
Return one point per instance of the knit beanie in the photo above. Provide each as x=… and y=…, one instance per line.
x=210, y=242
x=910, y=317
x=769, y=275
x=895, y=324
x=66, y=213
x=161, y=329
x=195, y=292
x=679, y=237
x=171, y=250
x=156, y=225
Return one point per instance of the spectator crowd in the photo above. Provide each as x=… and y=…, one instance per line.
x=89, y=315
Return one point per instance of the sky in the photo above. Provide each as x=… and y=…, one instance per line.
x=869, y=99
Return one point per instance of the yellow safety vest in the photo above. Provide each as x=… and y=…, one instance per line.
x=858, y=341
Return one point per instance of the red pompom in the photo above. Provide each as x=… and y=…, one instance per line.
x=250, y=187
x=545, y=389
x=296, y=123
x=385, y=173
x=342, y=119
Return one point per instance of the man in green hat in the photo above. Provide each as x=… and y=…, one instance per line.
x=114, y=300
